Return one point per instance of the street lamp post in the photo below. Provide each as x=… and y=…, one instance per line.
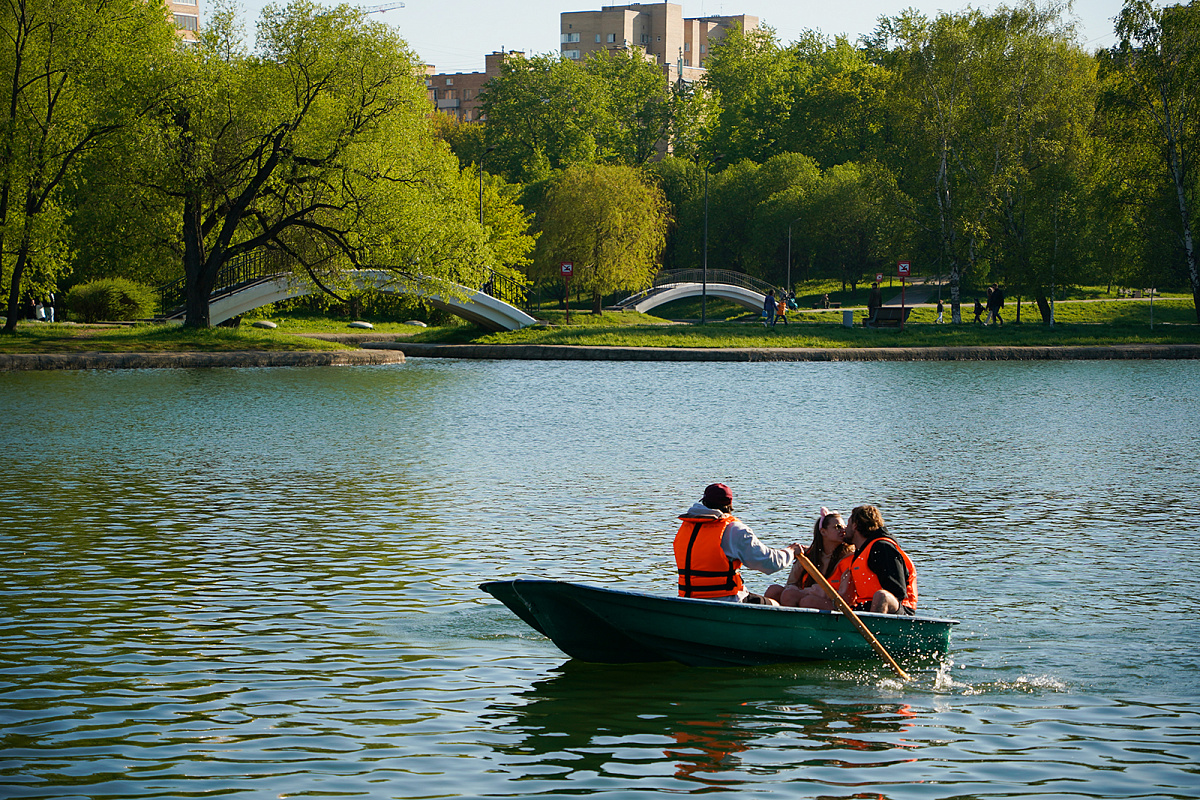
x=704, y=279
x=788, y=291
x=704, y=263
x=481, y=158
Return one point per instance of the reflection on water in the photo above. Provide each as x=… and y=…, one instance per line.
x=263, y=582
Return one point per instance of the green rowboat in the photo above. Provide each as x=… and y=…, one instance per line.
x=615, y=626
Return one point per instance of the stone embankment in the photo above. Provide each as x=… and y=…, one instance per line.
x=238, y=358
x=989, y=353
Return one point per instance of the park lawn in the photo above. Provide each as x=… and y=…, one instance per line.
x=1077, y=323
x=38, y=337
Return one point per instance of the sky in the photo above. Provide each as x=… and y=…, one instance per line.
x=454, y=35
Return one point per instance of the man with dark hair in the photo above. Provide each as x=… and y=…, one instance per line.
x=712, y=545
x=882, y=576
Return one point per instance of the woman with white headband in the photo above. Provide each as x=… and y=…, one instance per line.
x=831, y=554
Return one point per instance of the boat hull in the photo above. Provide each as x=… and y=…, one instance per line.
x=595, y=624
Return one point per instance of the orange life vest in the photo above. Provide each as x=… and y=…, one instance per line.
x=835, y=580
x=704, y=569
x=865, y=583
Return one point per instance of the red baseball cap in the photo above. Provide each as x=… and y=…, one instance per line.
x=717, y=495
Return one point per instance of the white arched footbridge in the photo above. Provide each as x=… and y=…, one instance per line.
x=678, y=284
x=475, y=305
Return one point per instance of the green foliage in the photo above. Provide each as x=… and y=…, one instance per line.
x=610, y=222
x=546, y=113
x=1152, y=79
x=74, y=75
x=110, y=299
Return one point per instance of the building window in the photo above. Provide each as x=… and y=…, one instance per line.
x=571, y=54
x=449, y=81
x=569, y=38
x=660, y=38
x=645, y=39
x=612, y=37
x=187, y=22
x=597, y=38
x=703, y=49
x=185, y=2
x=687, y=62
x=687, y=46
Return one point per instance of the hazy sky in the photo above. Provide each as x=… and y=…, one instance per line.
x=454, y=35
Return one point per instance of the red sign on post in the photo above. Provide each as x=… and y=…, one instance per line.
x=568, y=267
x=879, y=277
x=902, y=269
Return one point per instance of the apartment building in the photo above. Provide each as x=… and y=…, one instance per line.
x=457, y=94
x=679, y=45
x=187, y=18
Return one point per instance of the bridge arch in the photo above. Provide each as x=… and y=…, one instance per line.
x=743, y=289
x=478, y=307
x=749, y=298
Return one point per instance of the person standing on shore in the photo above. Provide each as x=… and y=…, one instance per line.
x=940, y=308
x=769, y=310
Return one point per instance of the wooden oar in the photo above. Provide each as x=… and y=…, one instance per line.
x=845, y=608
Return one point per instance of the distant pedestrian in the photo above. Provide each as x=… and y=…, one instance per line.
x=998, y=301
x=941, y=308
x=781, y=311
x=769, y=310
x=49, y=306
x=978, y=311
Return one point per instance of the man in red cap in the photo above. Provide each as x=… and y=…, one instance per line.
x=712, y=545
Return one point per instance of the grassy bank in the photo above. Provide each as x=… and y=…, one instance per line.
x=37, y=337
x=1077, y=323
x=1080, y=322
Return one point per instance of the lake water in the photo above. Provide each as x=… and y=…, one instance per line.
x=263, y=583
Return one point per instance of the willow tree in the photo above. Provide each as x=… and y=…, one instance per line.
x=610, y=222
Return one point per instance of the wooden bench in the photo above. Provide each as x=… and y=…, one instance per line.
x=832, y=304
x=888, y=317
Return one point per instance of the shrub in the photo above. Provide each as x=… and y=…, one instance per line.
x=111, y=299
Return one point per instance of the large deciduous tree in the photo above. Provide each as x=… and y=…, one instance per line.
x=1158, y=66
x=73, y=74
x=610, y=221
x=316, y=147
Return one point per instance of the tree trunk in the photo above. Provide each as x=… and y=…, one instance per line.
x=1043, y=306
x=199, y=278
x=597, y=306
x=14, y=296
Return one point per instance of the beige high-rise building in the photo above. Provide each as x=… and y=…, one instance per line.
x=679, y=45
x=187, y=18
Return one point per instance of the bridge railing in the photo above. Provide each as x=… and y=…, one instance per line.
x=259, y=265
x=504, y=288
x=669, y=277
x=246, y=269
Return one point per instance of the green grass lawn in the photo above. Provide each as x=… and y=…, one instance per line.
x=1077, y=323
x=39, y=337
